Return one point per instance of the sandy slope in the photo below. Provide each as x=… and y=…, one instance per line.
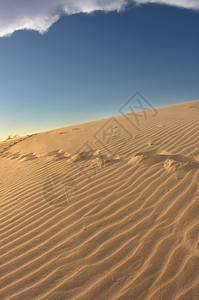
x=103, y=210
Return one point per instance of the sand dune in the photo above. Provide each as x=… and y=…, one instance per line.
x=107, y=209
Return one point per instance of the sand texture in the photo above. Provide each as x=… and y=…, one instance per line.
x=107, y=209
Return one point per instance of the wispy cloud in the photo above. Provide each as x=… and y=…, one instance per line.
x=39, y=15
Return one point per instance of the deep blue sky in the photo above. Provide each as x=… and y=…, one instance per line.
x=86, y=66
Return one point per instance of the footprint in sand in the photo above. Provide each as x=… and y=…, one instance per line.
x=90, y=161
x=57, y=155
x=171, y=162
x=30, y=156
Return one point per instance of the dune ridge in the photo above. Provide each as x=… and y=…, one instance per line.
x=103, y=210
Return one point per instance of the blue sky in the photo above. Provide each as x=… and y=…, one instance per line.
x=86, y=65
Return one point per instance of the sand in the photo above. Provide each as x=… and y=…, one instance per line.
x=107, y=209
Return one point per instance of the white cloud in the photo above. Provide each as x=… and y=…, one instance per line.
x=39, y=15
x=191, y=4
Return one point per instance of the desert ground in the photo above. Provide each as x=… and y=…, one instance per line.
x=107, y=209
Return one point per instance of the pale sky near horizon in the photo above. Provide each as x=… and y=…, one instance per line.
x=74, y=63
